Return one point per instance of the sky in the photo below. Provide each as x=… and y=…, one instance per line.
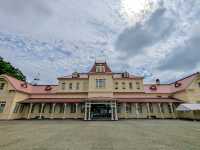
x=53, y=38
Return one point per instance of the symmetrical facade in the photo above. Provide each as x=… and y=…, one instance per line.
x=98, y=94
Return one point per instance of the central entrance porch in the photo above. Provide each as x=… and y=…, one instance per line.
x=106, y=110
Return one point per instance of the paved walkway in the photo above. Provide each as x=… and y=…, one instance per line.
x=100, y=135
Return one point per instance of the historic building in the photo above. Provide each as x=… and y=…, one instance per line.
x=98, y=94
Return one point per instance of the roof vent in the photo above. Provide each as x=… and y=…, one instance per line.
x=177, y=84
x=153, y=87
x=48, y=88
x=24, y=85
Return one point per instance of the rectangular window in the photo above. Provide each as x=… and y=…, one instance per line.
x=77, y=86
x=100, y=68
x=116, y=85
x=123, y=85
x=63, y=86
x=130, y=85
x=70, y=86
x=100, y=83
x=2, y=86
x=2, y=106
x=138, y=85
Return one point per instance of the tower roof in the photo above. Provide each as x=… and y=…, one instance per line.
x=100, y=63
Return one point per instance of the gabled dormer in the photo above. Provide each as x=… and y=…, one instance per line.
x=100, y=67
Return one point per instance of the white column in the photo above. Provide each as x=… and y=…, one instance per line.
x=85, y=118
x=125, y=110
x=112, y=116
x=64, y=111
x=30, y=109
x=160, y=110
x=148, y=110
x=89, y=114
x=116, y=116
x=53, y=110
x=172, y=110
x=41, y=110
x=76, y=107
x=136, y=109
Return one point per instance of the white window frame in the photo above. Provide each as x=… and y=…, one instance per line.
x=100, y=83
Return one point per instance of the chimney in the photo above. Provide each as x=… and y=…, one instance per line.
x=157, y=81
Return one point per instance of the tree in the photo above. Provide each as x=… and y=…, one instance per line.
x=7, y=68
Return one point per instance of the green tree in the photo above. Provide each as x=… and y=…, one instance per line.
x=7, y=68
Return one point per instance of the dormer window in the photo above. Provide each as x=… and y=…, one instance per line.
x=125, y=75
x=177, y=84
x=48, y=88
x=24, y=85
x=2, y=86
x=75, y=75
x=100, y=68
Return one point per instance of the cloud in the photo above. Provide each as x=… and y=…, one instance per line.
x=183, y=57
x=134, y=40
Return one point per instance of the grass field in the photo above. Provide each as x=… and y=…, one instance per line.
x=100, y=135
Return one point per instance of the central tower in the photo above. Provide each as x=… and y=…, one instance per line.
x=100, y=81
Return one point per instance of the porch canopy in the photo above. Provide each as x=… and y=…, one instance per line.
x=188, y=107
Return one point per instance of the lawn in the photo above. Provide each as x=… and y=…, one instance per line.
x=100, y=135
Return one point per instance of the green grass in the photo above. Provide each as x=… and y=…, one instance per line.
x=100, y=135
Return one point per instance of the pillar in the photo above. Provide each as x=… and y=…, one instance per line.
x=85, y=117
x=64, y=111
x=112, y=116
x=116, y=116
x=136, y=109
x=41, y=110
x=89, y=113
x=53, y=110
x=76, y=107
x=160, y=110
x=148, y=110
x=125, y=110
x=172, y=110
x=30, y=109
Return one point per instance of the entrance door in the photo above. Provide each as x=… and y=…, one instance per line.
x=101, y=112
